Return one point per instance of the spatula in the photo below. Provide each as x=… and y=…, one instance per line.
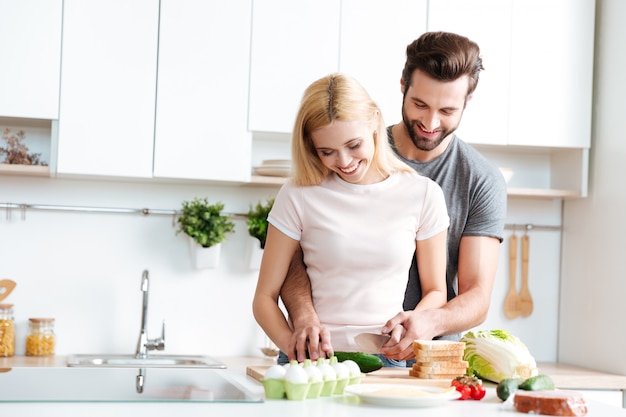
x=511, y=301
x=525, y=299
x=6, y=286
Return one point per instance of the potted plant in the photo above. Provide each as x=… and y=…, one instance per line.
x=257, y=228
x=206, y=227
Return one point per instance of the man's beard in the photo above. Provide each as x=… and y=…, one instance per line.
x=420, y=142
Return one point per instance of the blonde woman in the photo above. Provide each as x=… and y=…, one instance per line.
x=358, y=213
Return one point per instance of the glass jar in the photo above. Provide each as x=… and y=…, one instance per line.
x=40, y=339
x=7, y=330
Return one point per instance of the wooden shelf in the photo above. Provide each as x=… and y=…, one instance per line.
x=25, y=170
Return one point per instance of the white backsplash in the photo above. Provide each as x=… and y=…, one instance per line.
x=84, y=269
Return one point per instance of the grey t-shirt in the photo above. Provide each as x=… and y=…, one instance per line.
x=475, y=194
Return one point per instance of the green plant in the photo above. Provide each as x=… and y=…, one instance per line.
x=257, y=220
x=204, y=222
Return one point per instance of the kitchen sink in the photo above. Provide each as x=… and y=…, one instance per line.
x=153, y=361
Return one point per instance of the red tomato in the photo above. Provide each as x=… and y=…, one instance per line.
x=478, y=392
x=470, y=387
x=466, y=392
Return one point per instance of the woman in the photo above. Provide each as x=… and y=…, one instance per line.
x=359, y=215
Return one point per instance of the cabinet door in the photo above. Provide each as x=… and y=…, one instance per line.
x=488, y=23
x=202, y=93
x=106, y=121
x=374, y=37
x=551, y=73
x=30, y=47
x=293, y=44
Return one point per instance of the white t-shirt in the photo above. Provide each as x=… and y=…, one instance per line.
x=358, y=243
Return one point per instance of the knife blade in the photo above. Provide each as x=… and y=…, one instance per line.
x=371, y=342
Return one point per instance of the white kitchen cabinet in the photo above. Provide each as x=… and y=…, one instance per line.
x=534, y=96
x=373, y=39
x=551, y=73
x=538, y=57
x=202, y=91
x=293, y=44
x=108, y=87
x=488, y=23
x=30, y=47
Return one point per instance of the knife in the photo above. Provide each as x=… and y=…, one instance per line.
x=371, y=342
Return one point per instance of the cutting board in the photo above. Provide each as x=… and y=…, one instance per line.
x=382, y=376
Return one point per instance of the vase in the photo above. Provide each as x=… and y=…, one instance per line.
x=203, y=258
x=255, y=253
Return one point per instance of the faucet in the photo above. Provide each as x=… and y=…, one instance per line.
x=144, y=344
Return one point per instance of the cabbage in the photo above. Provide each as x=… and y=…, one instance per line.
x=495, y=355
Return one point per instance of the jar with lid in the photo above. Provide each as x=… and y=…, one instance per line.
x=7, y=330
x=40, y=340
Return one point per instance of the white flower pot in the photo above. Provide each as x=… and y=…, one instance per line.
x=255, y=253
x=202, y=257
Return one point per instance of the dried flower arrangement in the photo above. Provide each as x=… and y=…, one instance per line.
x=16, y=152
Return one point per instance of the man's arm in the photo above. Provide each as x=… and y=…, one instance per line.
x=308, y=334
x=478, y=262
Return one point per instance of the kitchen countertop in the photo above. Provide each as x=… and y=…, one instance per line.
x=565, y=376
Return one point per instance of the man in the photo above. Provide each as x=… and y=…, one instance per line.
x=440, y=75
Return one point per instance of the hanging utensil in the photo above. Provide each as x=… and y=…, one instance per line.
x=525, y=299
x=511, y=301
x=6, y=286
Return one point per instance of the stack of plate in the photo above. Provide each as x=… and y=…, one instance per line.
x=274, y=168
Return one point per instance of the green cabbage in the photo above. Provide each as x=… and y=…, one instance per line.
x=495, y=355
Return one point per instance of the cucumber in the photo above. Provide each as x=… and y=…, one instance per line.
x=507, y=387
x=367, y=363
x=537, y=382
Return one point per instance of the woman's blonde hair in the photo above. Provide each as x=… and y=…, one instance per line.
x=337, y=97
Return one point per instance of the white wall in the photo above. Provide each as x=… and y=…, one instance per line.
x=84, y=269
x=592, y=331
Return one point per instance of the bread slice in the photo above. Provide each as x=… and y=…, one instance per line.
x=437, y=356
x=438, y=346
x=426, y=375
x=439, y=370
x=443, y=364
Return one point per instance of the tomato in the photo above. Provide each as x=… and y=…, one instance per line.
x=478, y=392
x=470, y=387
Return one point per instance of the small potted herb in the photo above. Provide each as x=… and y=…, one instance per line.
x=257, y=228
x=206, y=227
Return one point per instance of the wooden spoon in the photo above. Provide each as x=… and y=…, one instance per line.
x=511, y=302
x=525, y=300
x=6, y=286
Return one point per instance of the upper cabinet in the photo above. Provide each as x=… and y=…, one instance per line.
x=538, y=58
x=202, y=90
x=374, y=35
x=293, y=44
x=551, y=73
x=30, y=46
x=155, y=89
x=108, y=87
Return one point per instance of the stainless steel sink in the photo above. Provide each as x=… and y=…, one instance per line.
x=154, y=361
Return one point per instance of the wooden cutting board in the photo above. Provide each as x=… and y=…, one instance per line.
x=382, y=376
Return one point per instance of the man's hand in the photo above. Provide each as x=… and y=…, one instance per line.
x=308, y=337
x=406, y=327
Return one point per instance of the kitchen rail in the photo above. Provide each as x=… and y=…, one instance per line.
x=22, y=208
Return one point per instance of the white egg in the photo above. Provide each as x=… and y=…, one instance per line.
x=275, y=372
x=314, y=373
x=296, y=375
x=353, y=367
x=328, y=373
x=341, y=370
